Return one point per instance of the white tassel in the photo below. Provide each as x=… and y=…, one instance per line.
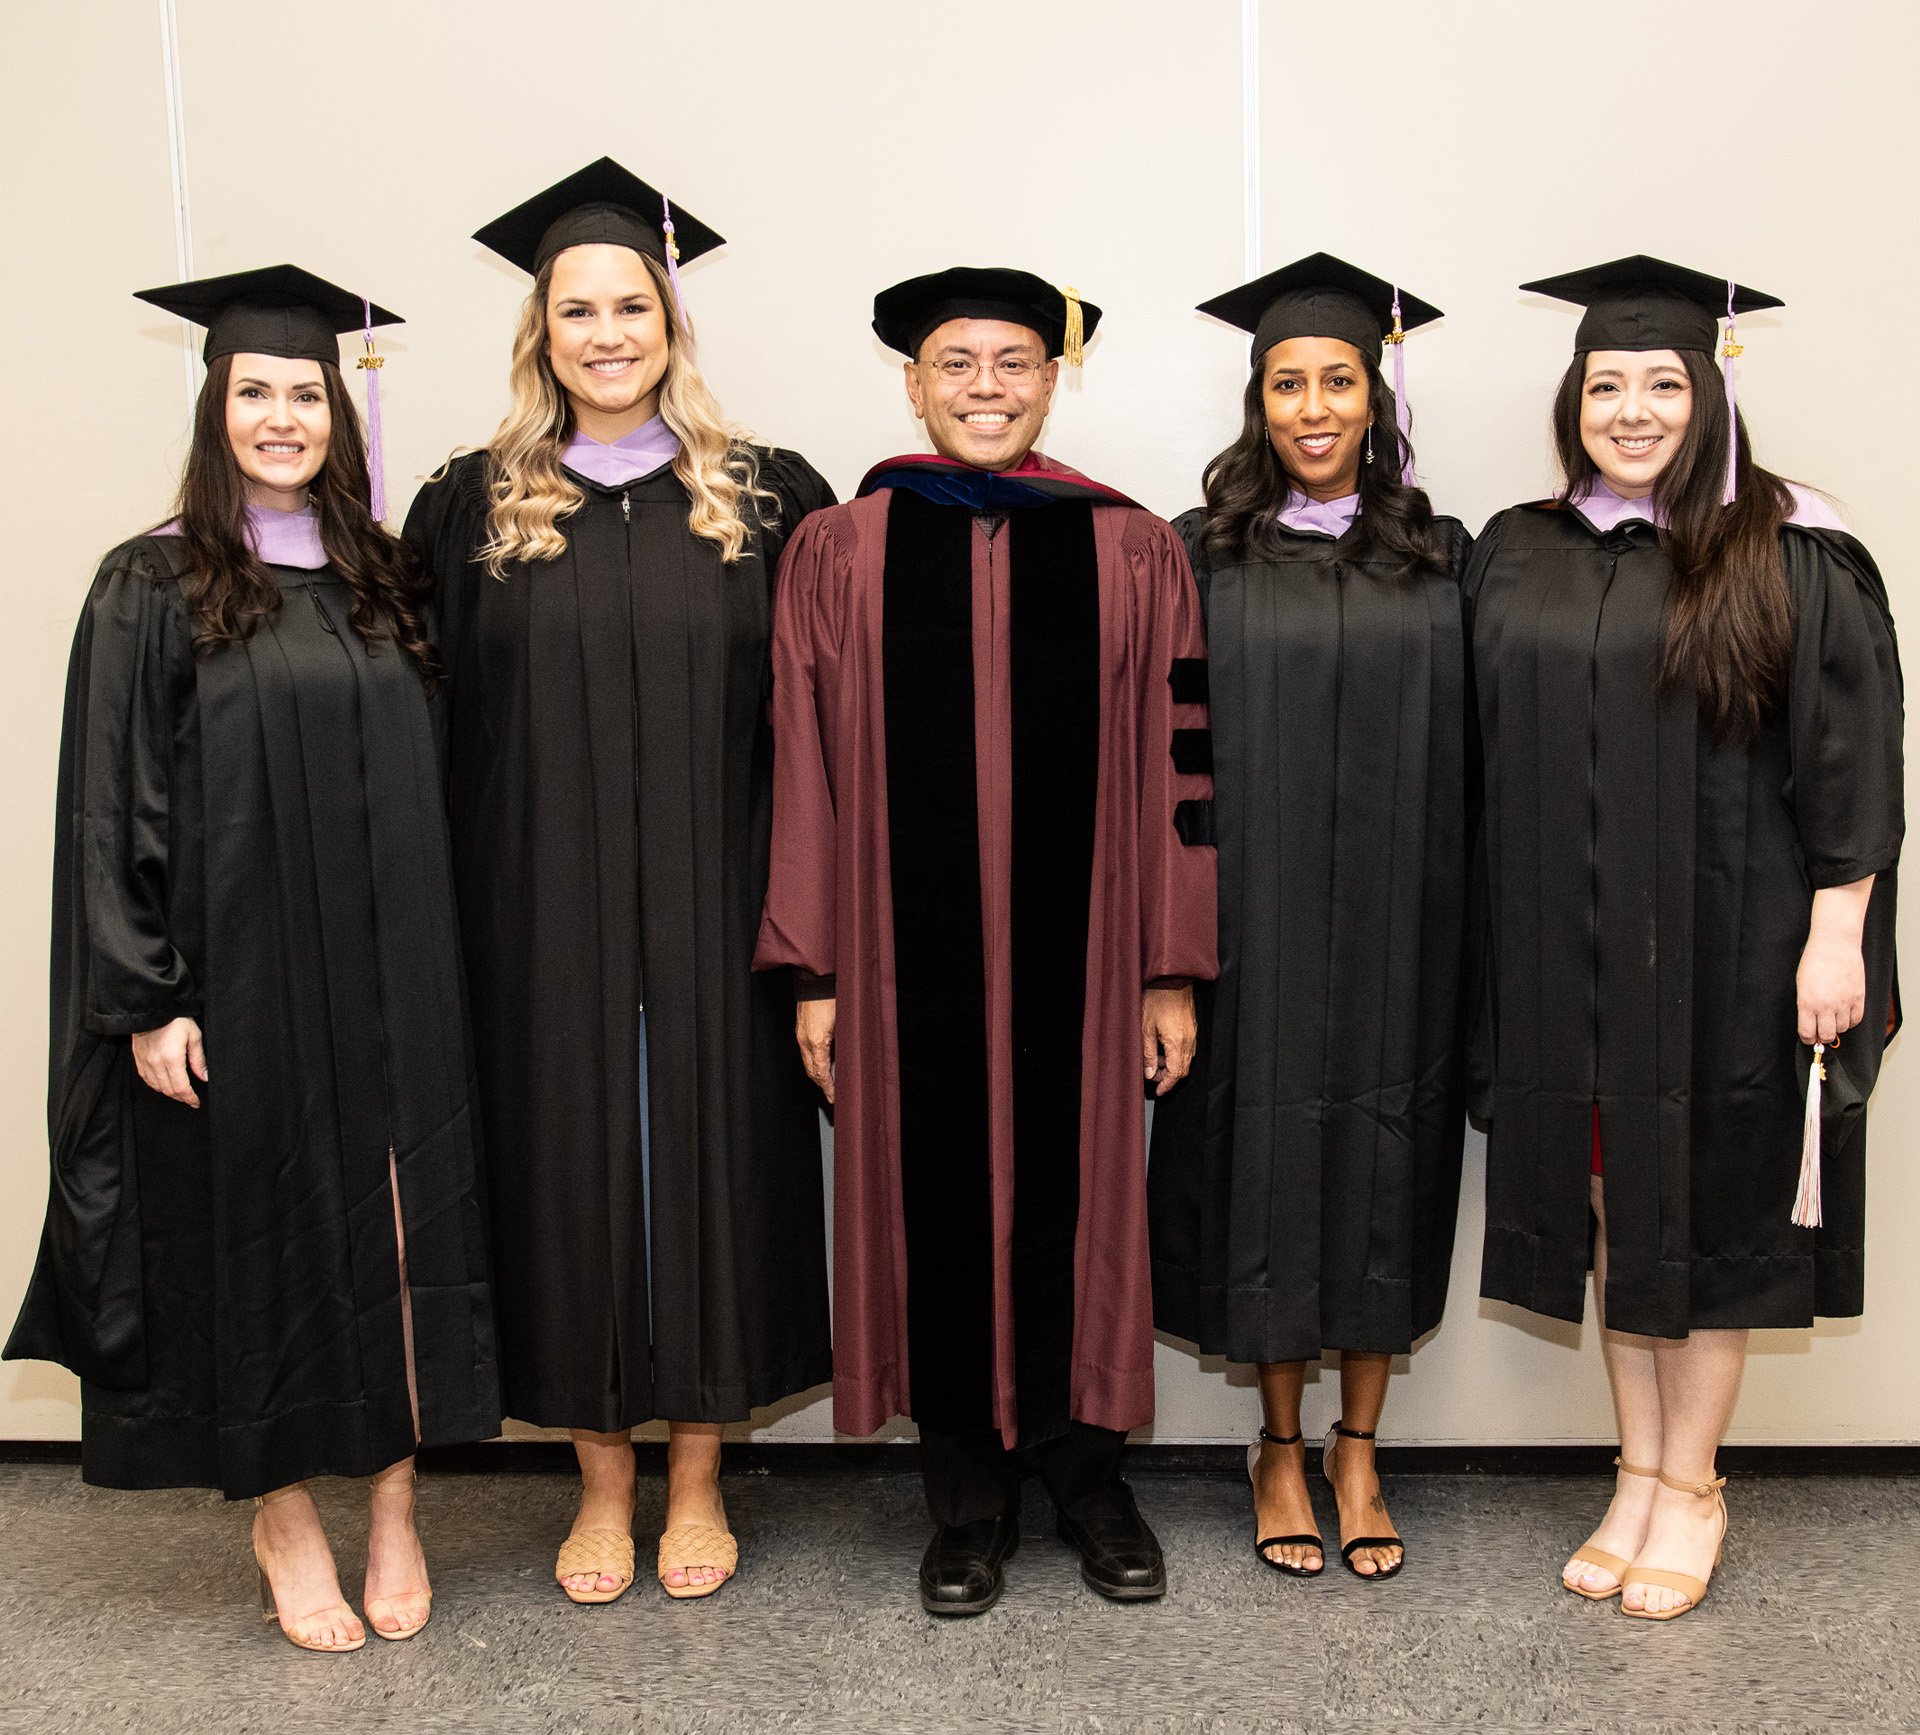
x=1806, y=1202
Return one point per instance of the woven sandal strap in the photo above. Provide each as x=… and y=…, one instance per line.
x=600, y=1549
x=1620, y=1463
x=690, y=1545
x=1700, y=1490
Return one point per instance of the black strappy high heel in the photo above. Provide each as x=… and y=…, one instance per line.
x=1260, y=1548
x=1340, y=1430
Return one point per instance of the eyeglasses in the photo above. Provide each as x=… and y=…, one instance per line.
x=1010, y=370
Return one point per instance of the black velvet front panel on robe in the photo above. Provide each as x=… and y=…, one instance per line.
x=610, y=763
x=253, y=839
x=1304, y=1179
x=1650, y=892
x=939, y=974
x=940, y=946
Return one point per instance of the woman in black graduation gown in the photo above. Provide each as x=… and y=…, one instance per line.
x=277, y=1274
x=1303, y=1182
x=604, y=611
x=1690, y=699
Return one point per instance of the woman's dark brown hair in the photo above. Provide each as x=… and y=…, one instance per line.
x=227, y=588
x=1246, y=485
x=1729, y=618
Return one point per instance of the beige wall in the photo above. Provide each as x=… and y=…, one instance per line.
x=840, y=146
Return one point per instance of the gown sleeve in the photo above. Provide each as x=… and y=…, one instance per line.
x=1178, y=906
x=447, y=526
x=1845, y=710
x=130, y=675
x=798, y=488
x=1191, y=528
x=116, y=969
x=797, y=927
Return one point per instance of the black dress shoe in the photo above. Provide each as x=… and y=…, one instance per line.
x=960, y=1572
x=1119, y=1555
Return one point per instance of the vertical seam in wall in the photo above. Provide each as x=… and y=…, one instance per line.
x=1250, y=130
x=177, y=158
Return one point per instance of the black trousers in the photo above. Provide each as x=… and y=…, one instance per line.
x=970, y=1476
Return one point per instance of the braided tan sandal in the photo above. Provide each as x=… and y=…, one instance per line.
x=1654, y=1578
x=686, y=1546
x=601, y=1551
x=269, y=1610
x=1588, y=1555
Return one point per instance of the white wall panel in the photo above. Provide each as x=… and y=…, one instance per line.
x=840, y=146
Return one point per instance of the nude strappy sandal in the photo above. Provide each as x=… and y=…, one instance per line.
x=602, y=1551
x=269, y=1611
x=1693, y=1589
x=1588, y=1555
x=396, y=1484
x=1339, y=1431
x=686, y=1546
x=1303, y=1541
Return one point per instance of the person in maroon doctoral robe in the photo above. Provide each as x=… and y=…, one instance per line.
x=993, y=874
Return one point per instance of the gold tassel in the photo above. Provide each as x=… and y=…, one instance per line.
x=1074, y=350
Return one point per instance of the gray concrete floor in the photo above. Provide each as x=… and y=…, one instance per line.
x=138, y=1612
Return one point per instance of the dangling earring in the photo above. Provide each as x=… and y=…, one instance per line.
x=1369, y=442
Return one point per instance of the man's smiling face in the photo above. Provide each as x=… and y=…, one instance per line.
x=982, y=386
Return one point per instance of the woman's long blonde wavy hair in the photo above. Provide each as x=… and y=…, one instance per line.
x=531, y=494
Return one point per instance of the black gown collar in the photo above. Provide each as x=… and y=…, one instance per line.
x=1627, y=527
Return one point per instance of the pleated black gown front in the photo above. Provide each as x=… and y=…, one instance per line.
x=1650, y=894
x=610, y=770
x=254, y=839
x=1304, y=1178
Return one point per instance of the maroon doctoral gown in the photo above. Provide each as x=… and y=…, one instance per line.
x=993, y=827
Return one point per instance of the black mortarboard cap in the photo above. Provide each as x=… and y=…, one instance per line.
x=1642, y=303
x=278, y=310
x=601, y=203
x=1319, y=296
x=906, y=314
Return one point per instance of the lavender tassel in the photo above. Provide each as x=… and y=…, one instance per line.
x=1402, y=419
x=1728, y=351
x=673, y=260
x=372, y=361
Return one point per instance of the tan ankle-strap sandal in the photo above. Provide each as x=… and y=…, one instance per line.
x=392, y=1482
x=602, y=1551
x=1588, y=1555
x=269, y=1609
x=1653, y=1578
x=686, y=1546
